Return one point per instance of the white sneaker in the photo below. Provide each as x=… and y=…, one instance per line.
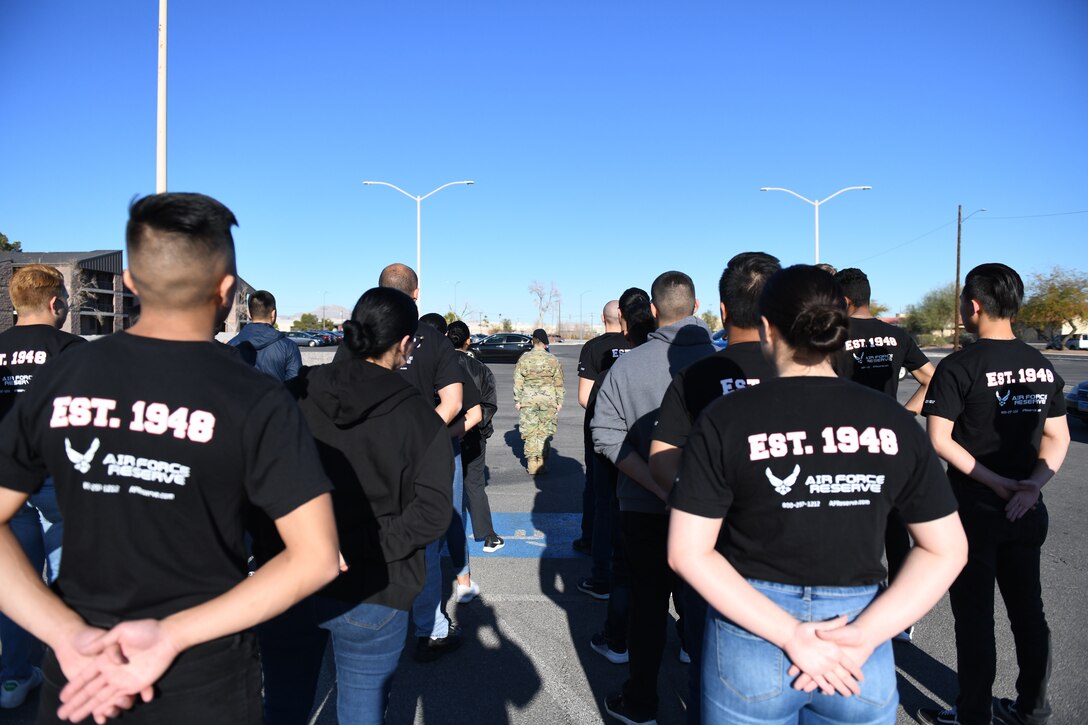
x=467, y=594
x=13, y=692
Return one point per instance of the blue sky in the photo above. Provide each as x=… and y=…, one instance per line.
x=609, y=141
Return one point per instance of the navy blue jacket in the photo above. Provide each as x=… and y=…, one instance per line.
x=269, y=350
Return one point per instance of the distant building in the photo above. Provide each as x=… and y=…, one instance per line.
x=100, y=303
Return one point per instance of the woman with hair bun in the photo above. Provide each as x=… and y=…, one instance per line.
x=389, y=458
x=778, y=518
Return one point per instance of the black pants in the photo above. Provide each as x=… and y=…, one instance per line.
x=1006, y=553
x=589, y=508
x=619, y=574
x=473, y=463
x=216, y=683
x=652, y=581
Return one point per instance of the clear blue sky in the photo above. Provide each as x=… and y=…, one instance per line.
x=609, y=141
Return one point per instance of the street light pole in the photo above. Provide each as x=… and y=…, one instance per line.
x=455, y=297
x=956, y=300
x=419, y=202
x=323, y=295
x=160, y=130
x=816, y=207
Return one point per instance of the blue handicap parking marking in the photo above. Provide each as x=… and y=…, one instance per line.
x=533, y=536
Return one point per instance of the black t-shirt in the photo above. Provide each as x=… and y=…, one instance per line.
x=432, y=364
x=804, y=471
x=597, y=356
x=156, y=449
x=999, y=394
x=874, y=353
x=698, y=385
x=24, y=349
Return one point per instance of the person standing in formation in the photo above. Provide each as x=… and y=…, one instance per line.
x=538, y=396
x=740, y=365
x=777, y=521
x=996, y=413
x=159, y=441
x=474, y=443
x=263, y=346
x=39, y=297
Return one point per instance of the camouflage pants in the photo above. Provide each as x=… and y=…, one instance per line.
x=537, y=425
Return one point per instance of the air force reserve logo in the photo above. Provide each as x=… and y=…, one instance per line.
x=1002, y=399
x=783, y=485
x=81, y=461
x=859, y=357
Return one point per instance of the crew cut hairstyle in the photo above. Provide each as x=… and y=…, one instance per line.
x=262, y=304
x=855, y=285
x=179, y=248
x=673, y=294
x=33, y=286
x=458, y=332
x=806, y=306
x=382, y=317
x=997, y=287
x=741, y=284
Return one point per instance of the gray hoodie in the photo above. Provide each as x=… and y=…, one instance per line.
x=631, y=394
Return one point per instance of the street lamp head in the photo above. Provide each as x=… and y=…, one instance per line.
x=764, y=188
x=470, y=182
x=866, y=188
x=369, y=183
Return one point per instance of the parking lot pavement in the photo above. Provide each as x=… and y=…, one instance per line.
x=526, y=657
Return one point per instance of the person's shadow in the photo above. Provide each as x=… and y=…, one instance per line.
x=932, y=674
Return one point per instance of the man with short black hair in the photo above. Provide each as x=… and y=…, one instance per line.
x=740, y=365
x=39, y=297
x=158, y=440
x=627, y=406
x=996, y=413
x=262, y=345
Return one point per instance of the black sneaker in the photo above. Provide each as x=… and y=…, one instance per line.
x=493, y=543
x=594, y=588
x=582, y=546
x=619, y=709
x=935, y=716
x=603, y=647
x=428, y=649
x=1005, y=712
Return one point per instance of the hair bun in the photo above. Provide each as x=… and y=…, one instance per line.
x=356, y=337
x=823, y=327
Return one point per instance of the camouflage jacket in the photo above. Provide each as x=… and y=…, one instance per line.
x=538, y=379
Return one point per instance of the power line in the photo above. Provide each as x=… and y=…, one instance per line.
x=1032, y=216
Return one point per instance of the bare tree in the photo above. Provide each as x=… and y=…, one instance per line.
x=544, y=299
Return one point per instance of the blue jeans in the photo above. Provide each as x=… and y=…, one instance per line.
x=38, y=528
x=745, y=678
x=366, y=643
x=427, y=612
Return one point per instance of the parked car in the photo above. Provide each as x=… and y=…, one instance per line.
x=326, y=337
x=303, y=339
x=1076, y=401
x=503, y=346
x=1077, y=342
x=478, y=337
x=1055, y=343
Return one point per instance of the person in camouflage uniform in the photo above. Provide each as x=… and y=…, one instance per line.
x=538, y=395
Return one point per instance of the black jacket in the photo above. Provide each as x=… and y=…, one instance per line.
x=269, y=350
x=485, y=382
x=389, y=458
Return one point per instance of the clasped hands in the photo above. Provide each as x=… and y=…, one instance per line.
x=829, y=656
x=106, y=671
x=1021, y=496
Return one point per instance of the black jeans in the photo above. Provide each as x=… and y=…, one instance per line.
x=216, y=683
x=652, y=581
x=1006, y=553
x=473, y=463
x=896, y=544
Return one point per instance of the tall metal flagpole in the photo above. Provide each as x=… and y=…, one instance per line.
x=160, y=143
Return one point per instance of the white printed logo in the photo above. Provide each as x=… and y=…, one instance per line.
x=1002, y=399
x=783, y=485
x=81, y=461
x=859, y=356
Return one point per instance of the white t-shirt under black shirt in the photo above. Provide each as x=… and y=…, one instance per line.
x=999, y=394
x=804, y=471
x=156, y=448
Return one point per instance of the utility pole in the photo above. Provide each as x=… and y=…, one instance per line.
x=160, y=141
x=956, y=299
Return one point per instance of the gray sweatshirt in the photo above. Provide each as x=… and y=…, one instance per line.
x=631, y=394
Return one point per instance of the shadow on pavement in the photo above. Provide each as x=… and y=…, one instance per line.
x=932, y=674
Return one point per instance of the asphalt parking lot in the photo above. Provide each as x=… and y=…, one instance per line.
x=526, y=658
